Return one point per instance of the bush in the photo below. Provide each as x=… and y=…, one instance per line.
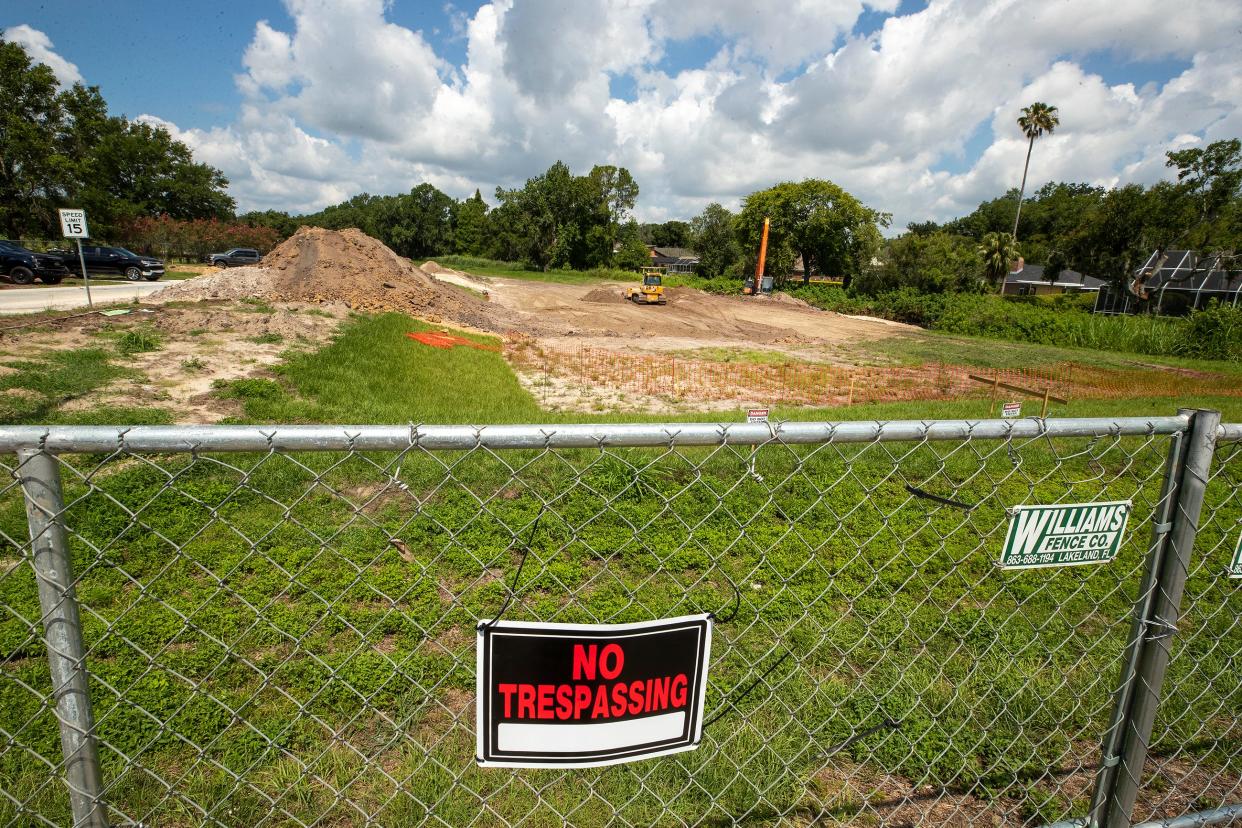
x=1215, y=333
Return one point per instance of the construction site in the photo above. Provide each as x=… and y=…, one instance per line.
x=574, y=347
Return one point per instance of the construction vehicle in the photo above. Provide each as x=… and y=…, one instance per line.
x=651, y=291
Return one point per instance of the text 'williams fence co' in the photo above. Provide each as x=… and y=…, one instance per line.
x=1012, y=621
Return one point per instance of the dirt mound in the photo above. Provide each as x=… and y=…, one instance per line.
x=349, y=267
x=604, y=294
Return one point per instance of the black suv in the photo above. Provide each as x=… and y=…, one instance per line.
x=22, y=266
x=102, y=261
x=234, y=258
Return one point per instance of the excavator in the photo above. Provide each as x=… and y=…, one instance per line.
x=651, y=291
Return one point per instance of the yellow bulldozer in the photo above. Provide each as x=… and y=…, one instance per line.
x=651, y=291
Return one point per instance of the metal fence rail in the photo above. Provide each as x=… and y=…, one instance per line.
x=275, y=625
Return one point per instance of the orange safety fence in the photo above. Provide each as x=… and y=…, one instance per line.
x=441, y=339
x=799, y=383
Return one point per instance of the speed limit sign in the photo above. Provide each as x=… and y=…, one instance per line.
x=73, y=224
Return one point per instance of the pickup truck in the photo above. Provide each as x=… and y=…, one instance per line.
x=22, y=266
x=236, y=257
x=109, y=261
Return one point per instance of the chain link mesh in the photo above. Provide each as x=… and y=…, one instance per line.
x=1196, y=761
x=287, y=638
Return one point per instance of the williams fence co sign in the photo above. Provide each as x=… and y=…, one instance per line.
x=1064, y=534
x=580, y=696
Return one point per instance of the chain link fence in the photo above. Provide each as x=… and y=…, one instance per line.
x=245, y=626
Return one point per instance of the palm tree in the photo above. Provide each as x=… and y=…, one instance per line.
x=998, y=250
x=1035, y=120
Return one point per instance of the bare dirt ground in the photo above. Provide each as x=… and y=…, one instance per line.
x=597, y=314
x=198, y=345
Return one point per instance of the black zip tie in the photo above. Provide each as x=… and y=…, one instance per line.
x=917, y=492
x=887, y=724
x=512, y=591
x=729, y=705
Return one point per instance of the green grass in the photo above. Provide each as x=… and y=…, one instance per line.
x=371, y=372
x=38, y=387
x=264, y=585
x=138, y=340
x=266, y=588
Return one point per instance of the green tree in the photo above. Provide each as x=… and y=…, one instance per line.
x=633, y=254
x=1210, y=180
x=1035, y=120
x=469, y=233
x=668, y=234
x=712, y=236
x=935, y=262
x=998, y=251
x=61, y=148
x=278, y=220
x=832, y=231
x=32, y=172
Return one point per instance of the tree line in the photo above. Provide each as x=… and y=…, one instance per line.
x=61, y=148
x=1104, y=232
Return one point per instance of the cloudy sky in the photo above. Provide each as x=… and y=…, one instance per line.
x=910, y=106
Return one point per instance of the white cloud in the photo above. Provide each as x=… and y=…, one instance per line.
x=346, y=101
x=39, y=46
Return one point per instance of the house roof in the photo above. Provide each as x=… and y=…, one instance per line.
x=1190, y=271
x=673, y=252
x=1028, y=274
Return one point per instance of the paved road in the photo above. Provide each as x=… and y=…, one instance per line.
x=32, y=300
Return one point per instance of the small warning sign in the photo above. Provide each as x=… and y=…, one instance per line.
x=585, y=695
x=1064, y=534
x=1011, y=409
x=757, y=415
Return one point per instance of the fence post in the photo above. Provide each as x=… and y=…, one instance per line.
x=62, y=633
x=1156, y=615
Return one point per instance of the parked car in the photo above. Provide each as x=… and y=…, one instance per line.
x=236, y=257
x=108, y=261
x=22, y=266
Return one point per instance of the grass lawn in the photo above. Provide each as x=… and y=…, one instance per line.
x=258, y=644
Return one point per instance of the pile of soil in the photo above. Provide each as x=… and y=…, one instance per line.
x=604, y=294
x=349, y=267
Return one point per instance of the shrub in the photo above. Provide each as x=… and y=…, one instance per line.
x=1215, y=333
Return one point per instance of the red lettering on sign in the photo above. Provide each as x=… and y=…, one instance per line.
x=526, y=701
x=564, y=701
x=584, y=662
x=546, y=694
x=507, y=690
x=659, y=694
x=636, y=697
x=600, y=710
x=582, y=699
x=618, y=660
x=618, y=699
x=679, y=690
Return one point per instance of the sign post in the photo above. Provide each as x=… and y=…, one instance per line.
x=73, y=226
x=1064, y=534
x=586, y=695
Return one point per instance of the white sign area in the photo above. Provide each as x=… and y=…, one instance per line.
x=73, y=224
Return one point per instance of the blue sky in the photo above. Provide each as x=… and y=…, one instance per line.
x=908, y=104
